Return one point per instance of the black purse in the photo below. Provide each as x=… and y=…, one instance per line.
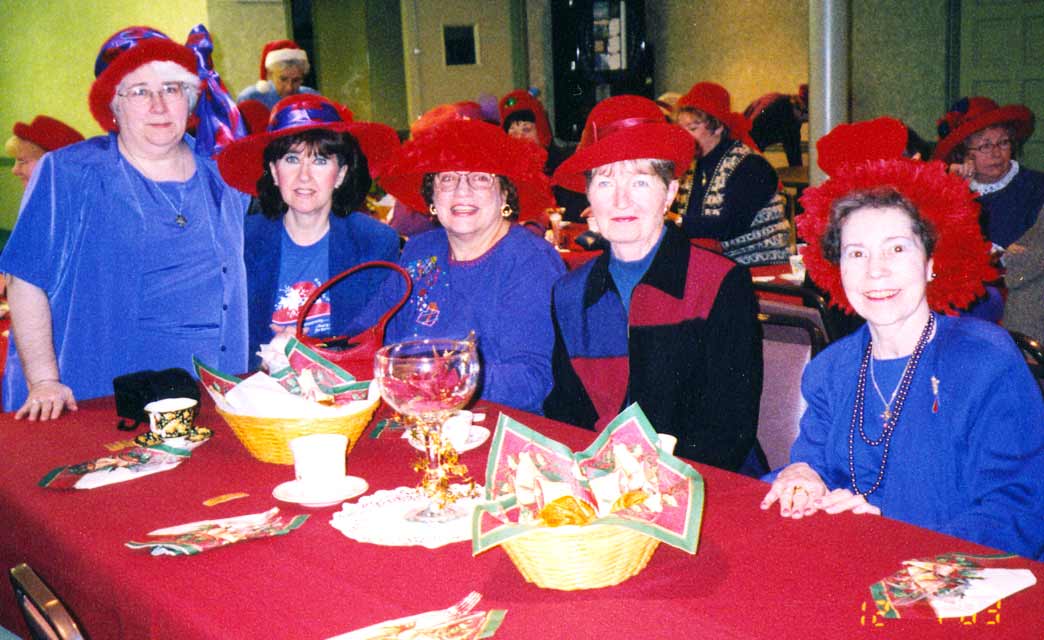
x=135, y=390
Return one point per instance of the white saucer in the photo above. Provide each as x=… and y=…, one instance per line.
x=476, y=437
x=336, y=493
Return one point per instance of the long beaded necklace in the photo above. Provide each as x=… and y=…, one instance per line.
x=892, y=419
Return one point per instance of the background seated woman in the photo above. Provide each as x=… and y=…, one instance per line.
x=927, y=418
x=478, y=271
x=654, y=320
x=309, y=164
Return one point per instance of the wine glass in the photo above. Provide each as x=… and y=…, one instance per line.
x=426, y=381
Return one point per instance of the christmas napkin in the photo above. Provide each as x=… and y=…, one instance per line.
x=121, y=466
x=622, y=478
x=196, y=537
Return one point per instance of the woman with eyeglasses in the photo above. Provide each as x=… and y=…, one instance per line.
x=478, y=271
x=979, y=140
x=127, y=253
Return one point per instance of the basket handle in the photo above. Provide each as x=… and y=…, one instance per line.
x=302, y=314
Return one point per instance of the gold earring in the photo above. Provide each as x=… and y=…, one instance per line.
x=506, y=211
x=432, y=210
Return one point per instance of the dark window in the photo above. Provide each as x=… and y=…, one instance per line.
x=460, y=44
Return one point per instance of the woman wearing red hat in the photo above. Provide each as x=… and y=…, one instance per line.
x=478, y=271
x=127, y=253
x=310, y=171
x=928, y=418
x=732, y=192
x=284, y=64
x=31, y=141
x=654, y=320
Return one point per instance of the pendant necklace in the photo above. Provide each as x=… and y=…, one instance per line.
x=887, y=414
x=893, y=416
x=153, y=185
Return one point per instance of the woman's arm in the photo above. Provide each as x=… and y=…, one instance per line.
x=31, y=327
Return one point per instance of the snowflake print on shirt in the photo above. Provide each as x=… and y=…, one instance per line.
x=426, y=275
x=289, y=301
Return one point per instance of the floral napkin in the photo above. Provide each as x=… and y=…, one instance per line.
x=951, y=585
x=457, y=622
x=197, y=537
x=622, y=478
x=121, y=466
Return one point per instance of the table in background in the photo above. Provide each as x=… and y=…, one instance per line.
x=755, y=575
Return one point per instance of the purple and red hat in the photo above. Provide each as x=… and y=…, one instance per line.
x=971, y=115
x=242, y=162
x=122, y=53
x=47, y=133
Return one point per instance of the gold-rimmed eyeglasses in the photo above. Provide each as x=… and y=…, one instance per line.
x=141, y=96
x=450, y=180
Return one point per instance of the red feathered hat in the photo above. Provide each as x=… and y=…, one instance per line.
x=467, y=145
x=714, y=100
x=122, y=53
x=625, y=128
x=278, y=51
x=463, y=110
x=971, y=115
x=867, y=155
x=242, y=162
x=47, y=133
x=521, y=100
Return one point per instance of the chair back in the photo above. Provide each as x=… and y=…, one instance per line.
x=790, y=341
x=809, y=298
x=45, y=615
x=1033, y=351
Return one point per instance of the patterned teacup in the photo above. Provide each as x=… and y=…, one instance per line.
x=172, y=417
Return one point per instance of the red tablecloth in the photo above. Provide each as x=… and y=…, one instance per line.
x=754, y=576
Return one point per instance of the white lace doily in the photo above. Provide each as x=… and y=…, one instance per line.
x=380, y=518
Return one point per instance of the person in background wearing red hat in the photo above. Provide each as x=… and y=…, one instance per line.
x=979, y=140
x=31, y=141
x=523, y=116
x=128, y=250
x=777, y=117
x=922, y=416
x=478, y=271
x=311, y=174
x=733, y=194
x=284, y=64
x=654, y=320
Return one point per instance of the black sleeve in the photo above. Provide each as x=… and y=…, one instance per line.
x=567, y=402
x=747, y=191
x=734, y=371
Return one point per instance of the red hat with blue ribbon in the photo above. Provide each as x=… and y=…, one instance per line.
x=242, y=162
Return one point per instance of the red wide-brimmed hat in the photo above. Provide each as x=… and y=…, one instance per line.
x=122, y=53
x=242, y=162
x=463, y=110
x=625, y=128
x=714, y=100
x=47, y=133
x=868, y=155
x=467, y=145
x=522, y=100
x=970, y=115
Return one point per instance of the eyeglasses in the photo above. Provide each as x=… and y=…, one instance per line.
x=988, y=147
x=478, y=181
x=141, y=96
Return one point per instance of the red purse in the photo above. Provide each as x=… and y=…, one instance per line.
x=354, y=354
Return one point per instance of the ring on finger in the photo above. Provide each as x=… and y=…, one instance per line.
x=799, y=488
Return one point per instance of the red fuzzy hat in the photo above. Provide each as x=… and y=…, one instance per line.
x=521, y=100
x=280, y=51
x=242, y=162
x=122, y=53
x=867, y=155
x=625, y=128
x=47, y=133
x=714, y=100
x=971, y=115
x=467, y=145
x=255, y=114
x=463, y=110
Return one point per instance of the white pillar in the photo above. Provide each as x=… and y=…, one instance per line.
x=828, y=60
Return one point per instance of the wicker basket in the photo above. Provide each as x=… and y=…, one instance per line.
x=580, y=557
x=268, y=439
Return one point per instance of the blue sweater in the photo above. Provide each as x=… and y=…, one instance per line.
x=1010, y=212
x=354, y=239
x=503, y=296
x=974, y=469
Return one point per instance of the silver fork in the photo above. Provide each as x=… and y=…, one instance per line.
x=465, y=606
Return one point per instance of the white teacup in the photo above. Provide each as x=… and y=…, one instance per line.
x=667, y=442
x=457, y=428
x=319, y=459
x=172, y=417
x=797, y=265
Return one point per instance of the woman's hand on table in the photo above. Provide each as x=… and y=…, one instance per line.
x=47, y=399
x=797, y=488
x=841, y=500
